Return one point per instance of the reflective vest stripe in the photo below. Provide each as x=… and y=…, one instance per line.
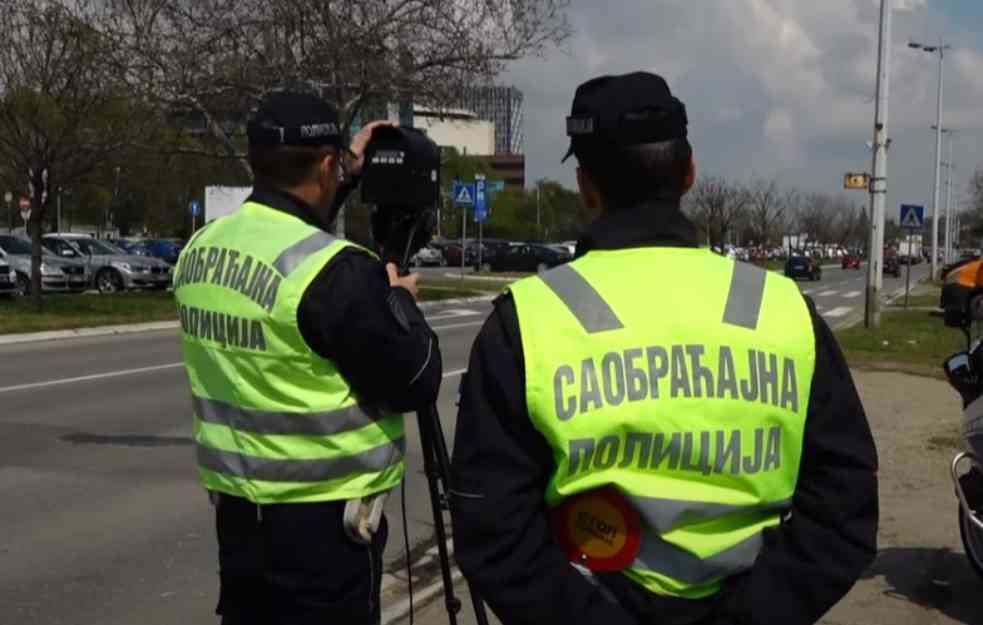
x=289, y=423
x=664, y=515
x=295, y=255
x=583, y=300
x=663, y=558
x=317, y=470
x=747, y=291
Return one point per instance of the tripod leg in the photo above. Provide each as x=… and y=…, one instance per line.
x=439, y=446
x=436, y=502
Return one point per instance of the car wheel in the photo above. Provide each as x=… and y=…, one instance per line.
x=108, y=282
x=23, y=285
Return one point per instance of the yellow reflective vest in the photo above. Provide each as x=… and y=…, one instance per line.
x=273, y=421
x=681, y=379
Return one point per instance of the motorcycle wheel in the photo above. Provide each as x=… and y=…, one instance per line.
x=972, y=541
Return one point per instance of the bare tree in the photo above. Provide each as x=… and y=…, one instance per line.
x=216, y=58
x=718, y=205
x=62, y=109
x=975, y=213
x=765, y=210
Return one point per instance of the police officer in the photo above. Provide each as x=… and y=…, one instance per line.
x=303, y=350
x=653, y=433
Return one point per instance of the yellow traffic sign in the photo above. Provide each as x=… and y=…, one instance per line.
x=857, y=182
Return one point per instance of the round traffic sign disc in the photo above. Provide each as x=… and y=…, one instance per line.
x=599, y=530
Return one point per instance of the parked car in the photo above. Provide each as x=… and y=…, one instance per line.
x=892, y=267
x=851, y=261
x=8, y=280
x=528, y=257
x=57, y=275
x=134, y=247
x=112, y=269
x=428, y=256
x=803, y=267
x=490, y=253
x=167, y=250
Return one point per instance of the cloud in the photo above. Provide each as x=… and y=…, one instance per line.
x=779, y=88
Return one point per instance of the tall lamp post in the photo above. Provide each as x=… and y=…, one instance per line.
x=878, y=183
x=940, y=51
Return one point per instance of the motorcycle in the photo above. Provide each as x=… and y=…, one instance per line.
x=965, y=373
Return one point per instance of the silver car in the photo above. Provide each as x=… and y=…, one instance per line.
x=8, y=279
x=57, y=275
x=112, y=268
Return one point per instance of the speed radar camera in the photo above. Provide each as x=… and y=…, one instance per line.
x=402, y=168
x=402, y=179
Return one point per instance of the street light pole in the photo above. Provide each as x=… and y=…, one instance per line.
x=948, y=205
x=940, y=50
x=878, y=184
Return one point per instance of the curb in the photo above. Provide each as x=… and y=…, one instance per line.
x=157, y=326
x=456, y=302
x=56, y=335
x=457, y=276
x=401, y=609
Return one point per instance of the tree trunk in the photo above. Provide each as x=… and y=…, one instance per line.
x=34, y=228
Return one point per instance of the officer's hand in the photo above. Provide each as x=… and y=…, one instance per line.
x=359, y=143
x=407, y=282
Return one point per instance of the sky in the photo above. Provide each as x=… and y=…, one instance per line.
x=776, y=89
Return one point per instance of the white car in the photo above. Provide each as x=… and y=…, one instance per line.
x=428, y=256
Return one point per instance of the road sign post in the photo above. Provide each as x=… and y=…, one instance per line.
x=463, y=196
x=195, y=213
x=912, y=218
x=480, y=211
x=24, y=205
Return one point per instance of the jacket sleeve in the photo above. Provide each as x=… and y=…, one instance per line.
x=376, y=334
x=815, y=556
x=501, y=466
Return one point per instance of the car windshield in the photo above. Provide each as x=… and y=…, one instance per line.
x=97, y=247
x=14, y=245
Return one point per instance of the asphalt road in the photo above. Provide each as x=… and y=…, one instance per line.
x=103, y=521
x=840, y=295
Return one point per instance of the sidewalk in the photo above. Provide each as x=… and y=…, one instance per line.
x=435, y=613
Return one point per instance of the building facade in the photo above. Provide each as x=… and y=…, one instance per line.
x=458, y=129
x=503, y=107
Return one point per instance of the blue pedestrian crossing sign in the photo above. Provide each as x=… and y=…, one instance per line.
x=195, y=208
x=463, y=194
x=912, y=216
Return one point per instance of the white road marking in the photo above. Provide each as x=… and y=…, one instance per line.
x=842, y=311
x=853, y=294
x=827, y=293
x=808, y=292
x=87, y=378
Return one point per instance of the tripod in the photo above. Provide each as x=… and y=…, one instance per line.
x=436, y=466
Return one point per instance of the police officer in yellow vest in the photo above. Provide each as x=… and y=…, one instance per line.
x=654, y=433
x=303, y=350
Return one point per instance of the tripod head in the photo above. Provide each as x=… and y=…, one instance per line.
x=402, y=180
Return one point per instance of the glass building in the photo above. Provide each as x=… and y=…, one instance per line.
x=503, y=106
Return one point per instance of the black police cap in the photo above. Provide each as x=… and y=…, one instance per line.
x=290, y=118
x=625, y=110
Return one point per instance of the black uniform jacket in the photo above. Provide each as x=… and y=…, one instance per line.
x=374, y=333
x=501, y=465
